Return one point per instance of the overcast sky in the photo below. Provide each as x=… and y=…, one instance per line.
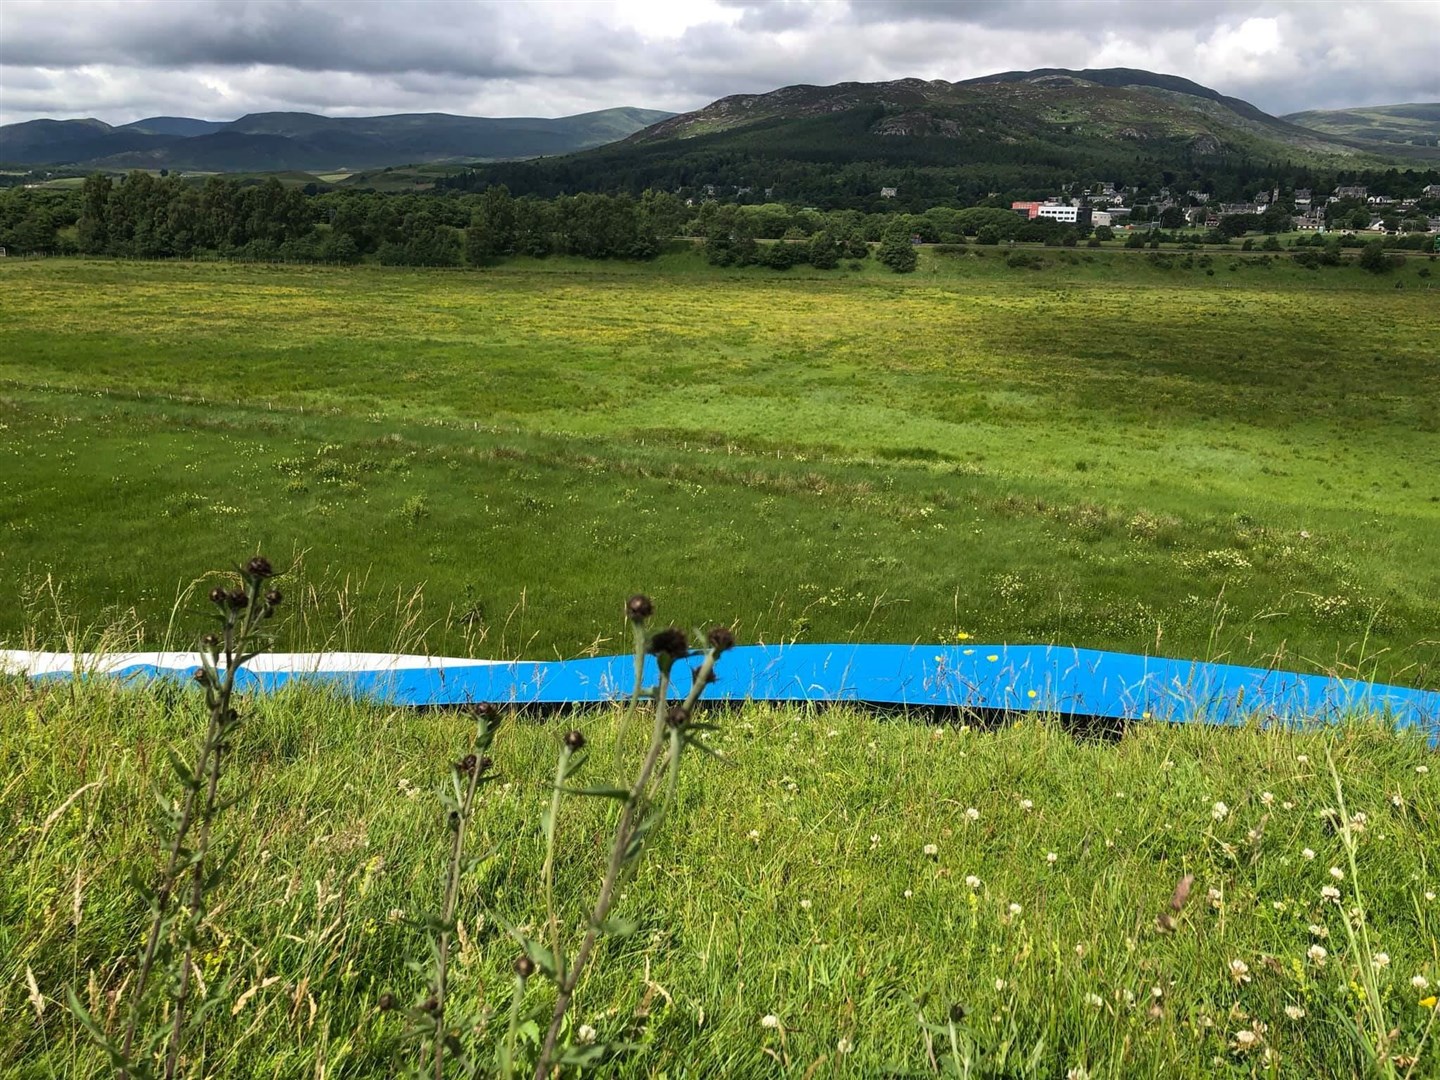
x=121, y=60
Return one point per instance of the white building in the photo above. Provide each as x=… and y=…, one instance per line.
x=1068, y=214
x=1099, y=217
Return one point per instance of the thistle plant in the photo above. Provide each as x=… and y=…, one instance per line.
x=644, y=802
x=432, y=1022
x=177, y=901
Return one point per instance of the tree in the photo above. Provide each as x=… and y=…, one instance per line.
x=896, y=250
x=1104, y=232
x=824, y=251
x=1373, y=257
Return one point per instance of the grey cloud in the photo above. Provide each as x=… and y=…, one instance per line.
x=227, y=57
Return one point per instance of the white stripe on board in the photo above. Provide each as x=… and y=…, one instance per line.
x=31, y=662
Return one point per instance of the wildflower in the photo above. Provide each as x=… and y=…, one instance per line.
x=575, y=741
x=1295, y=1012
x=585, y=1035
x=1317, y=955
x=1220, y=811
x=1419, y=982
x=720, y=639
x=1307, y=854
x=1079, y=1072
x=908, y=894
x=754, y=836
x=1429, y=1002
x=992, y=658
x=1429, y=896
x=932, y=850
x=1397, y=800
x=1214, y=896
x=1337, y=873
x=1380, y=960
x=1319, y=931
x=972, y=881
x=1303, y=759
x=1329, y=892
x=524, y=966
x=1239, y=971
x=971, y=814
x=999, y=985
x=1245, y=1039
x=669, y=645
x=639, y=608
x=1095, y=1000
x=1015, y=909
x=1026, y=804
x=395, y=914
x=843, y=1045
x=874, y=839
x=1267, y=798
x=1422, y=769
x=1031, y=693
x=805, y=904
x=1050, y=857
x=1358, y=821
x=1287, y=805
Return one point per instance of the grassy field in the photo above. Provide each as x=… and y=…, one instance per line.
x=792, y=881
x=1237, y=460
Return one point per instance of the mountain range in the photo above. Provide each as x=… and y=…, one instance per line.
x=264, y=142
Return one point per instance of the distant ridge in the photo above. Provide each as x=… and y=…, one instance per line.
x=262, y=142
x=926, y=141
x=1411, y=130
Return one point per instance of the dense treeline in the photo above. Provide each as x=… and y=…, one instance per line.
x=145, y=216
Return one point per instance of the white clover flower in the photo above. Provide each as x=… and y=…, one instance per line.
x=1429, y=896
x=770, y=1020
x=1316, y=930
x=1214, y=896
x=586, y=1034
x=1317, y=955
x=1329, y=892
x=932, y=850
x=1015, y=909
x=1307, y=854
x=1267, y=798
x=1419, y=982
x=909, y=893
x=1287, y=805
x=1245, y=1039
x=754, y=835
x=1239, y=971
x=1381, y=960
x=1358, y=821
x=1295, y=1012
x=1303, y=759
x=844, y=1045
x=1156, y=992
x=1220, y=811
x=972, y=881
x=1422, y=769
x=999, y=985
x=971, y=814
x=1026, y=804
x=1397, y=799
x=1337, y=873
x=805, y=904
x=1077, y=1072
x=874, y=839
x=1050, y=857
x=1095, y=1001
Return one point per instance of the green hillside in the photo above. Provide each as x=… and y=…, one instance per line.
x=1036, y=129
x=1411, y=130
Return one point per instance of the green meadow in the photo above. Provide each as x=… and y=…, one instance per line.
x=1218, y=457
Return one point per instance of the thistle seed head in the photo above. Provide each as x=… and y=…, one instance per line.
x=639, y=608
x=524, y=966
x=273, y=597
x=669, y=643
x=386, y=1002
x=678, y=716
x=218, y=595
x=720, y=639
x=466, y=764
x=259, y=567
x=201, y=676
x=237, y=599
x=575, y=741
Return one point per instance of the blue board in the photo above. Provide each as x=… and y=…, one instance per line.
x=1015, y=678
